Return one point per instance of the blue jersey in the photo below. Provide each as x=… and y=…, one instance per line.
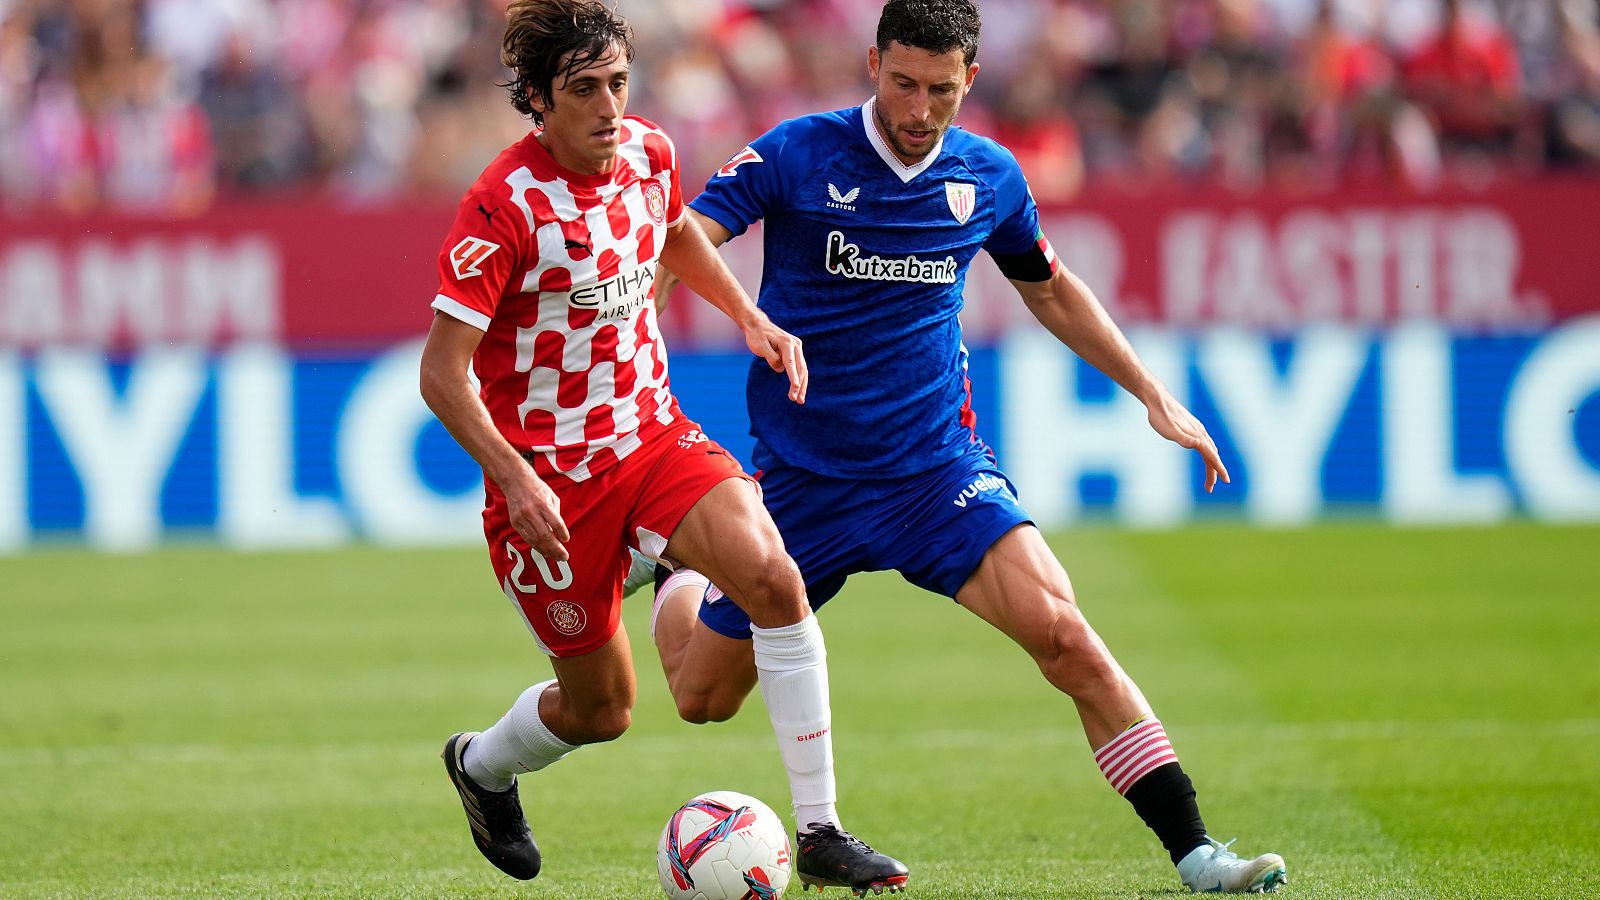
x=865, y=261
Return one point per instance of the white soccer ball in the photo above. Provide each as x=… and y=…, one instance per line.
x=723, y=845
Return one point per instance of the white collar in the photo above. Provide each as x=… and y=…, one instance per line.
x=869, y=121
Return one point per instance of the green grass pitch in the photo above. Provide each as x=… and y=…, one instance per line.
x=1401, y=713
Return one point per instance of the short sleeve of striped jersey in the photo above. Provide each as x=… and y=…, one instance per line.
x=675, y=202
x=478, y=258
x=663, y=155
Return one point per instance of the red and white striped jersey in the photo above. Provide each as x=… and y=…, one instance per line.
x=558, y=269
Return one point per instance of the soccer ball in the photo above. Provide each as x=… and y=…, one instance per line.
x=723, y=845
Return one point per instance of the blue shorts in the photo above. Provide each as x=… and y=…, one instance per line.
x=933, y=527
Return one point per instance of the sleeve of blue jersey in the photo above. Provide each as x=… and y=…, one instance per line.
x=1017, y=229
x=751, y=183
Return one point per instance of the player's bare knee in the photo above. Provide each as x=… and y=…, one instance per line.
x=773, y=590
x=724, y=705
x=1071, y=658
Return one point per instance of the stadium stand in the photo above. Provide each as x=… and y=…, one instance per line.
x=166, y=105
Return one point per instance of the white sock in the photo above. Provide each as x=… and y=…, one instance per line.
x=792, y=664
x=519, y=742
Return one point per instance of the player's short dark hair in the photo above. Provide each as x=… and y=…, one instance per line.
x=549, y=40
x=937, y=26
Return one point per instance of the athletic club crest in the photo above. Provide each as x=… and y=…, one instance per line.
x=568, y=618
x=963, y=198
x=655, y=202
x=731, y=167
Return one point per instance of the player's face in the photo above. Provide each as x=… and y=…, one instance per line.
x=581, y=125
x=919, y=94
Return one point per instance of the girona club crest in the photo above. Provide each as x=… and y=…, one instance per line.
x=963, y=199
x=655, y=202
x=568, y=618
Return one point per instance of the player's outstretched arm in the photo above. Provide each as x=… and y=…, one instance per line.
x=535, y=511
x=665, y=280
x=1066, y=306
x=691, y=255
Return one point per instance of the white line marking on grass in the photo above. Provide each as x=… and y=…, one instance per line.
x=1384, y=730
x=693, y=741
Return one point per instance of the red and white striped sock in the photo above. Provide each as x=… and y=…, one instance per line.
x=1135, y=753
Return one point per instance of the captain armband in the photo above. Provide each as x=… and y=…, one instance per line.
x=1034, y=264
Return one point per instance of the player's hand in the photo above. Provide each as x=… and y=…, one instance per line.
x=1170, y=420
x=535, y=513
x=782, y=352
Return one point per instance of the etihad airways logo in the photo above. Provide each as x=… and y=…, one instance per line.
x=618, y=297
x=844, y=258
x=981, y=485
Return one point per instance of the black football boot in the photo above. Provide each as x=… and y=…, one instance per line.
x=829, y=857
x=498, y=826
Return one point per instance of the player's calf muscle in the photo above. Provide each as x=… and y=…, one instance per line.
x=709, y=675
x=607, y=726
x=700, y=705
x=591, y=724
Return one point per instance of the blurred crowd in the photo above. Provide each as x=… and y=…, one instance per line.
x=161, y=106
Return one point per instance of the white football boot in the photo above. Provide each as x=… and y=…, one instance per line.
x=1212, y=868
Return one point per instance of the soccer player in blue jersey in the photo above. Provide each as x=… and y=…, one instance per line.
x=872, y=215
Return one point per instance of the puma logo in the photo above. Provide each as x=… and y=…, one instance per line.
x=488, y=214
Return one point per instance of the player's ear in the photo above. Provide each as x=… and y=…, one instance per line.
x=873, y=62
x=536, y=98
x=972, y=72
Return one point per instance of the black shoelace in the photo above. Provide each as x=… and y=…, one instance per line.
x=504, y=810
x=821, y=831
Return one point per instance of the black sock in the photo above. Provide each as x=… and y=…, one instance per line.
x=1164, y=799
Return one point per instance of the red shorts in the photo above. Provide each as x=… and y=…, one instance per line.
x=572, y=607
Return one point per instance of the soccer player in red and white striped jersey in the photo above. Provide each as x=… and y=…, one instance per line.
x=546, y=289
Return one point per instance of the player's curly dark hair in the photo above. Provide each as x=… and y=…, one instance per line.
x=549, y=40
x=937, y=26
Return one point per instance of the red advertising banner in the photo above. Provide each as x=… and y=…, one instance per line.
x=308, y=272
x=313, y=273
x=1515, y=257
